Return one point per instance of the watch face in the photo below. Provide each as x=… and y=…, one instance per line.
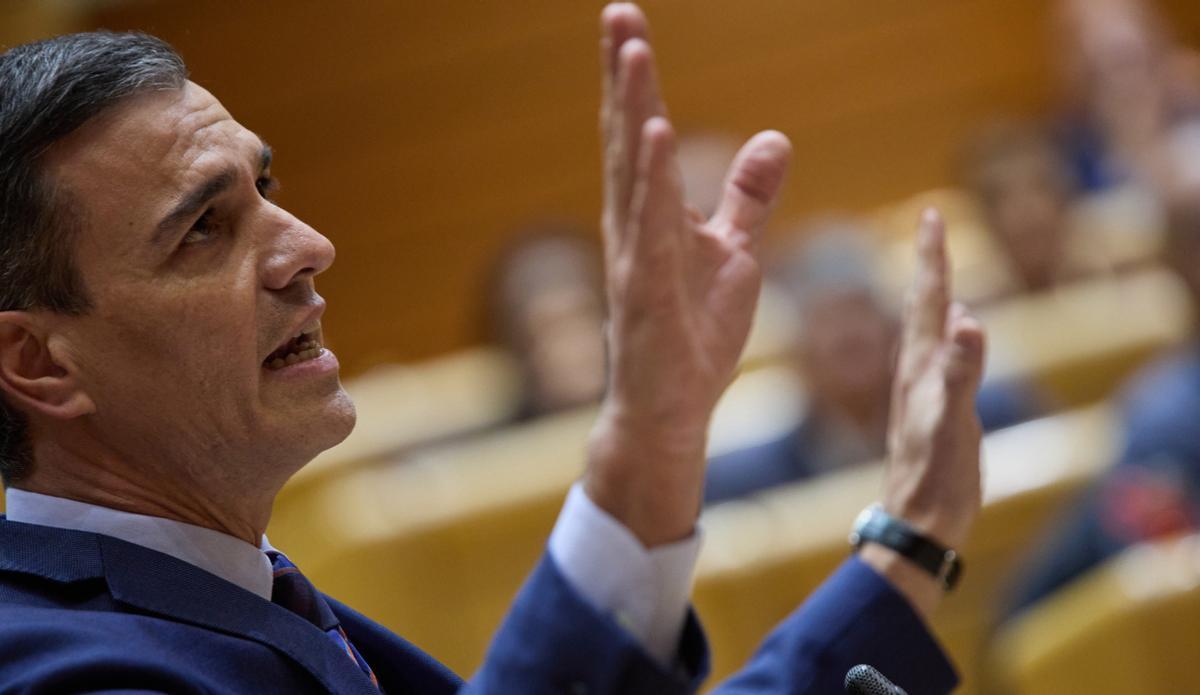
x=860, y=522
x=863, y=517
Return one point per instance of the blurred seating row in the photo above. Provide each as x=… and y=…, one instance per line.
x=432, y=513
x=1127, y=627
x=436, y=548
x=1065, y=341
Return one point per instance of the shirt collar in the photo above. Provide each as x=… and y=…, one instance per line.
x=230, y=558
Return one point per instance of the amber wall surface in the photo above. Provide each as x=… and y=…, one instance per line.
x=420, y=135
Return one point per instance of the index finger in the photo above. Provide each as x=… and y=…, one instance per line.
x=631, y=98
x=619, y=22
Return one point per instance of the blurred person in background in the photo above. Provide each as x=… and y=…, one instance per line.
x=1126, y=82
x=844, y=354
x=548, y=312
x=1025, y=191
x=1154, y=489
x=547, y=294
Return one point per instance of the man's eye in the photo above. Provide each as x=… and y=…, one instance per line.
x=266, y=185
x=201, y=229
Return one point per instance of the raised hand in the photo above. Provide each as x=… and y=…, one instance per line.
x=681, y=291
x=933, y=474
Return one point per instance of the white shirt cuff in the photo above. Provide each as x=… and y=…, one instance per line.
x=645, y=591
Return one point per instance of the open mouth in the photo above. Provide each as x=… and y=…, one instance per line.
x=302, y=347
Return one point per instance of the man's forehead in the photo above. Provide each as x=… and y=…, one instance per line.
x=160, y=140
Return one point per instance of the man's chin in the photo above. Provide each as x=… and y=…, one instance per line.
x=308, y=432
x=338, y=419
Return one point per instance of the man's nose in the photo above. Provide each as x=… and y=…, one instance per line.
x=297, y=252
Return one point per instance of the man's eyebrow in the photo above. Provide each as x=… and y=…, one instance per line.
x=194, y=201
x=198, y=197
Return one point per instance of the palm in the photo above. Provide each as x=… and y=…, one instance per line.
x=681, y=321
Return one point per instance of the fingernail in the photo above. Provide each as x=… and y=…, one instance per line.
x=930, y=229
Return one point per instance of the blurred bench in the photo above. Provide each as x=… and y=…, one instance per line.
x=1130, y=626
x=437, y=548
x=1079, y=342
x=445, y=517
x=402, y=407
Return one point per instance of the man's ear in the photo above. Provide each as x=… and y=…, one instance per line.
x=32, y=376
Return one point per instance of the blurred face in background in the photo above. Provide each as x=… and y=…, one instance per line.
x=564, y=347
x=551, y=318
x=1113, y=55
x=846, y=350
x=1026, y=200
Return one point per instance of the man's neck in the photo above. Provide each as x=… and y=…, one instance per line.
x=116, y=484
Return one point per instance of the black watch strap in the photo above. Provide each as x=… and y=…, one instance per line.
x=877, y=526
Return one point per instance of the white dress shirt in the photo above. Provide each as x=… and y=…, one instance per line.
x=645, y=591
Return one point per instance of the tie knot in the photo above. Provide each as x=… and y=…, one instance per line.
x=294, y=592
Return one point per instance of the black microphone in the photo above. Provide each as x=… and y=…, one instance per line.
x=865, y=680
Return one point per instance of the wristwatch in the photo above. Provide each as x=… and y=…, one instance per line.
x=877, y=526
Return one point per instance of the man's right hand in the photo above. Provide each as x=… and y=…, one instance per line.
x=933, y=472
x=681, y=294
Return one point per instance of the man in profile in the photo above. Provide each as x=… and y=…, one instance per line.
x=163, y=375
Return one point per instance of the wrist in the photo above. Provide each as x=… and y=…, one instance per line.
x=941, y=517
x=650, y=479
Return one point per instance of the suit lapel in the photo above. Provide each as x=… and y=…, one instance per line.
x=158, y=584
x=162, y=585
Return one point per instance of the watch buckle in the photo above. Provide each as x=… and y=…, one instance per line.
x=946, y=569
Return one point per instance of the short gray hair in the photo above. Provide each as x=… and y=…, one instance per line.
x=49, y=89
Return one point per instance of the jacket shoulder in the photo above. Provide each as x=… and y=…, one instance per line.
x=50, y=649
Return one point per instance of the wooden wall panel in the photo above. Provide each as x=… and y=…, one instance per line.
x=22, y=21
x=420, y=135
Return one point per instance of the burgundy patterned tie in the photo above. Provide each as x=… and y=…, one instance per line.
x=295, y=593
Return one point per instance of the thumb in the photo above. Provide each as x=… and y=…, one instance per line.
x=753, y=183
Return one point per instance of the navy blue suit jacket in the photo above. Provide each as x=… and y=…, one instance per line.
x=84, y=612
